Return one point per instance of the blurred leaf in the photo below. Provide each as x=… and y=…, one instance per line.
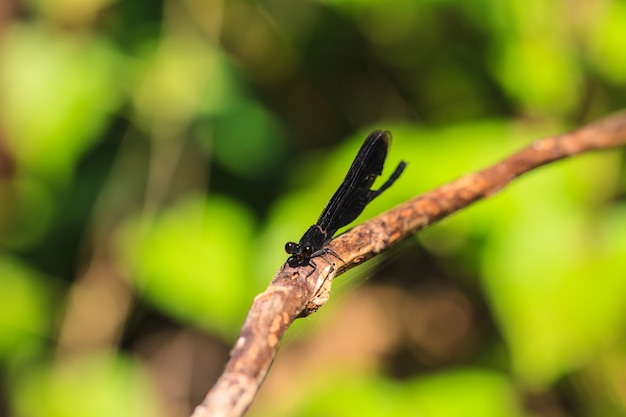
x=26, y=214
x=194, y=261
x=182, y=78
x=71, y=11
x=462, y=393
x=95, y=386
x=605, y=39
x=246, y=139
x=539, y=75
x=536, y=64
x=56, y=94
x=556, y=289
x=26, y=306
x=382, y=22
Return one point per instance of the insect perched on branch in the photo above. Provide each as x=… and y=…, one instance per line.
x=350, y=199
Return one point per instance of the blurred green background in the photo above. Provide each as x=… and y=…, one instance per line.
x=155, y=156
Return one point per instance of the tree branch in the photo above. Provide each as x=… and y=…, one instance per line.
x=293, y=294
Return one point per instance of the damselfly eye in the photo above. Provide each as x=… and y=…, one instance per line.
x=307, y=251
x=291, y=247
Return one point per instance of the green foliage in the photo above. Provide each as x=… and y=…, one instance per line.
x=187, y=261
x=57, y=94
x=462, y=393
x=559, y=300
x=160, y=154
x=98, y=385
x=606, y=42
x=25, y=320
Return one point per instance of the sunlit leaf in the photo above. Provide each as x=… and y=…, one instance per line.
x=57, y=93
x=99, y=385
x=25, y=317
x=193, y=261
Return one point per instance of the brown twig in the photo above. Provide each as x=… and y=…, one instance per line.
x=293, y=294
